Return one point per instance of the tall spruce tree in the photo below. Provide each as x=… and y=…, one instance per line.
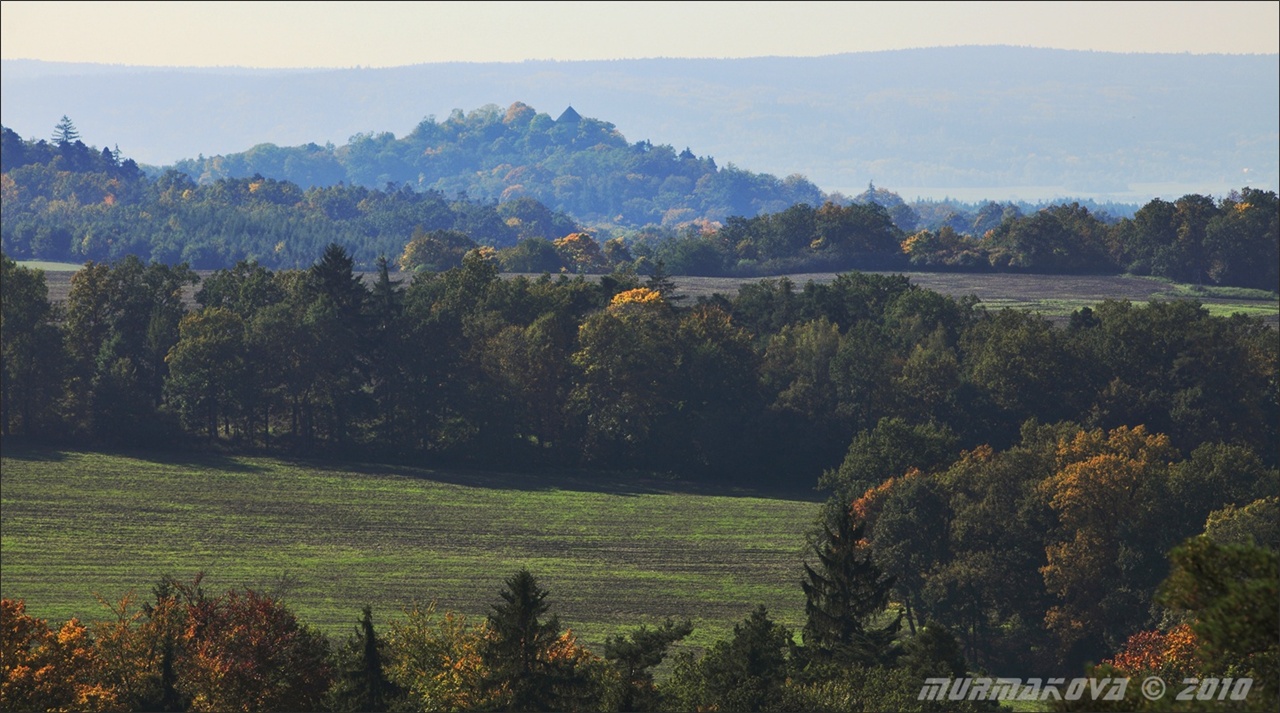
x=65, y=132
x=636, y=658
x=660, y=281
x=844, y=591
x=516, y=653
x=363, y=686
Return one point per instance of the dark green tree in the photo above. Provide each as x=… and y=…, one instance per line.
x=336, y=316
x=660, y=281
x=65, y=132
x=362, y=686
x=30, y=353
x=889, y=450
x=207, y=368
x=122, y=320
x=1230, y=591
x=745, y=673
x=516, y=654
x=637, y=655
x=933, y=652
x=335, y=278
x=844, y=592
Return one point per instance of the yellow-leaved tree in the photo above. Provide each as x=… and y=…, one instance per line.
x=435, y=659
x=44, y=670
x=582, y=253
x=1109, y=493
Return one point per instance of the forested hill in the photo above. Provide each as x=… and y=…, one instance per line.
x=572, y=164
x=1087, y=123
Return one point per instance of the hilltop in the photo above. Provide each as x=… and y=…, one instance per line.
x=971, y=122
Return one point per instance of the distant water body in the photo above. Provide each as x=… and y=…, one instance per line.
x=1138, y=193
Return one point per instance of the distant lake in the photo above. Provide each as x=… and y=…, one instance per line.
x=1137, y=193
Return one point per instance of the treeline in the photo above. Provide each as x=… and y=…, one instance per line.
x=1016, y=484
x=768, y=385
x=65, y=201
x=185, y=649
x=1233, y=241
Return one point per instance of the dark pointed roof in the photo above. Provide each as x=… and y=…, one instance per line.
x=569, y=117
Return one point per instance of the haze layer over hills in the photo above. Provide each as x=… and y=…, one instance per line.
x=968, y=122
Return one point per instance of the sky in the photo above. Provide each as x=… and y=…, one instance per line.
x=388, y=34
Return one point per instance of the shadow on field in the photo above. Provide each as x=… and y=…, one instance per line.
x=623, y=483
x=30, y=452
x=574, y=480
x=43, y=453
x=193, y=459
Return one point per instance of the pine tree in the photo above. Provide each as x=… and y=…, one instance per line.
x=515, y=654
x=660, y=281
x=636, y=658
x=842, y=594
x=65, y=132
x=364, y=686
x=335, y=278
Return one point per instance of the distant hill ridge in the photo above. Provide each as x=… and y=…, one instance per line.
x=1000, y=121
x=572, y=164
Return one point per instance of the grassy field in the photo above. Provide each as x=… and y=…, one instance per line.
x=1054, y=296
x=330, y=539
x=48, y=266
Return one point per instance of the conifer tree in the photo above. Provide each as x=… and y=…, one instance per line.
x=65, y=132
x=660, y=281
x=843, y=593
x=364, y=687
x=636, y=658
x=515, y=653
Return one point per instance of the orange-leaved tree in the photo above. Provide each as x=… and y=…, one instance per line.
x=247, y=651
x=582, y=253
x=1171, y=654
x=41, y=669
x=1109, y=492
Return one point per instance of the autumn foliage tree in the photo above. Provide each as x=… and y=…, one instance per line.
x=582, y=253
x=1103, y=566
x=435, y=658
x=187, y=650
x=42, y=669
x=246, y=651
x=1169, y=653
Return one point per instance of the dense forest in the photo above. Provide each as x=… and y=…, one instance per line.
x=66, y=201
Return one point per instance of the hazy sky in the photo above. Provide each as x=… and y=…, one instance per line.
x=379, y=34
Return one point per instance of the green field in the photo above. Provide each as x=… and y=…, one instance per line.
x=1054, y=296
x=48, y=266
x=330, y=539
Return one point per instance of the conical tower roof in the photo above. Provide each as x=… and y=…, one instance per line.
x=569, y=117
